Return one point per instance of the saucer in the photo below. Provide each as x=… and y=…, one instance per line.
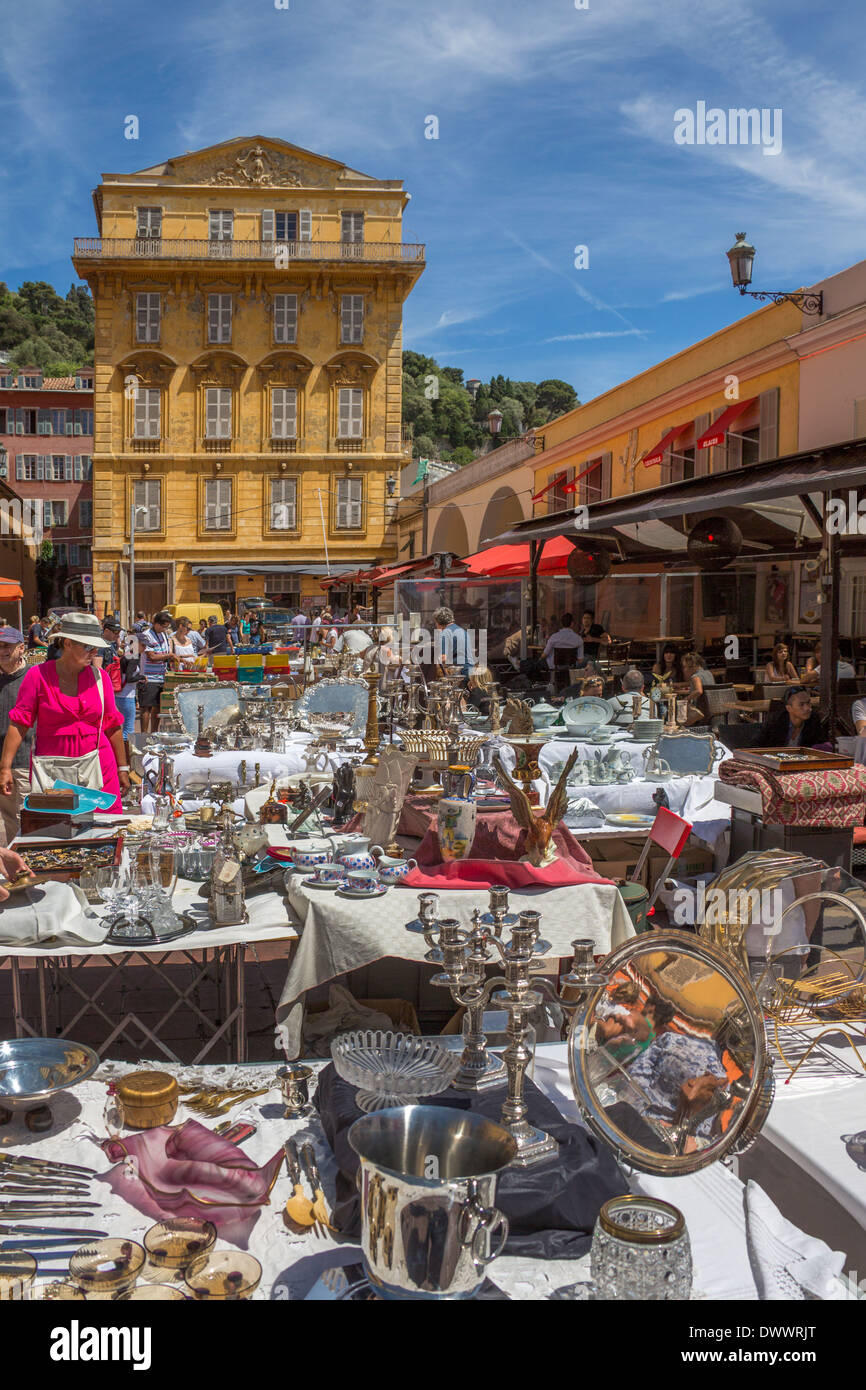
x=330, y=887
x=360, y=893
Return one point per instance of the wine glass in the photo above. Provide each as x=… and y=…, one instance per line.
x=163, y=868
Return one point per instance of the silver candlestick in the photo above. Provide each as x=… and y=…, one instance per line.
x=479, y=1069
x=464, y=957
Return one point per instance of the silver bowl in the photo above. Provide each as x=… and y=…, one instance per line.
x=34, y=1069
x=392, y=1068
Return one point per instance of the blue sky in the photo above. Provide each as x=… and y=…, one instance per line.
x=555, y=129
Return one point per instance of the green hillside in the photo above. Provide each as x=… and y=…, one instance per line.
x=39, y=328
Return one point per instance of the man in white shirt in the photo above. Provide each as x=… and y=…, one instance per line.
x=565, y=637
x=858, y=716
x=354, y=640
x=632, y=684
x=300, y=619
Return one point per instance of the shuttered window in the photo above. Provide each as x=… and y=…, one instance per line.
x=279, y=226
x=285, y=318
x=147, y=316
x=305, y=232
x=218, y=504
x=43, y=422
x=219, y=318
x=352, y=318
x=221, y=223
x=148, y=223
x=27, y=468
x=56, y=472
x=350, y=419
x=218, y=412
x=147, y=414
x=147, y=495
x=284, y=412
x=85, y=513
x=768, y=444
x=284, y=504
x=350, y=504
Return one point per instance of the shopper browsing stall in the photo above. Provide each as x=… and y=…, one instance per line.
x=13, y=669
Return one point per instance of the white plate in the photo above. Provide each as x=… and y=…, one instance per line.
x=589, y=709
x=631, y=819
x=354, y=892
x=315, y=883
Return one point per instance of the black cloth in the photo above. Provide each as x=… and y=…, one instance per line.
x=216, y=637
x=9, y=686
x=774, y=732
x=551, y=1207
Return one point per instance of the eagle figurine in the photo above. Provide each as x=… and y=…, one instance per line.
x=539, y=827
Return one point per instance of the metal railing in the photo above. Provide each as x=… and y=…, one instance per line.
x=192, y=249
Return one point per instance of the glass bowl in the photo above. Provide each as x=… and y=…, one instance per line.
x=176, y=1242
x=55, y=1291
x=154, y=1293
x=105, y=1268
x=223, y=1274
x=392, y=1068
x=17, y=1272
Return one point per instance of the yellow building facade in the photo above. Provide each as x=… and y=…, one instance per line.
x=248, y=374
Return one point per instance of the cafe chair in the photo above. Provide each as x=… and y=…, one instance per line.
x=562, y=660
x=718, y=696
x=670, y=833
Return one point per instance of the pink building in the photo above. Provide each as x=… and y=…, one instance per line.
x=46, y=434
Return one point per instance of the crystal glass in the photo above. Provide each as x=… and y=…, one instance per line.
x=163, y=867
x=223, y=1274
x=155, y=1293
x=105, y=1268
x=393, y=1068
x=641, y=1251
x=161, y=814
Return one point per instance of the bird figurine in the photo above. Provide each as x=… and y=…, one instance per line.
x=518, y=717
x=539, y=848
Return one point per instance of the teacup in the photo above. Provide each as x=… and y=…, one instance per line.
x=361, y=858
x=329, y=873
x=391, y=870
x=362, y=881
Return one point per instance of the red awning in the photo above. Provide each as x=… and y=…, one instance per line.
x=657, y=454
x=512, y=561
x=717, y=431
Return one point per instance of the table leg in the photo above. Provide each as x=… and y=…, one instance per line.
x=41, y=966
x=240, y=962
x=16, y=996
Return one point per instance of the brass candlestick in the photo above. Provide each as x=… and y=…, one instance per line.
x=371, y=733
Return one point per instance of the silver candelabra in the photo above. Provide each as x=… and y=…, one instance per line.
x=465, y=957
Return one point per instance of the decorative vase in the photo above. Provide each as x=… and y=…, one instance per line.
x=455, y=825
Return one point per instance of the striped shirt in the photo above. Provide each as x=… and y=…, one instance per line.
x=152, y=641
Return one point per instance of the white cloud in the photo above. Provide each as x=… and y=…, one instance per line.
x=579, y=337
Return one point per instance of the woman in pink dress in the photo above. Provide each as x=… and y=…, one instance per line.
x=60, y=699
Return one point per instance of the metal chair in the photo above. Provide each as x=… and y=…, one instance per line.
x=717, y=697
x=669, y=832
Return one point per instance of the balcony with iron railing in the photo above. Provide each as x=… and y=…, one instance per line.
x=280, y=252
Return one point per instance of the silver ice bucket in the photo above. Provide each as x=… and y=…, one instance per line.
x=427, y=1180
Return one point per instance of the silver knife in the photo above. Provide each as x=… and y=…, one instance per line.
x=55, y=1190
x=19, y=1208
x=68, y=1232
x=35, y=1243
x=42, y=1180
x=46, y=1164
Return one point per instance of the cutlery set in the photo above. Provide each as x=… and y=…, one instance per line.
x=302, y=1212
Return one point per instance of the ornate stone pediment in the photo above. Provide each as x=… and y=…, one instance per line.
x=253, y=165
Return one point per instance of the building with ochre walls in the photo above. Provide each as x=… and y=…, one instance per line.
x=248, y=373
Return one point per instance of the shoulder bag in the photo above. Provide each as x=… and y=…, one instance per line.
x=83, y=771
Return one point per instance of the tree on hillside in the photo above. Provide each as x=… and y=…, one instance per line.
x=556, y=397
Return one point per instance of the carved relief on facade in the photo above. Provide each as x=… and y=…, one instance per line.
x=255, y=167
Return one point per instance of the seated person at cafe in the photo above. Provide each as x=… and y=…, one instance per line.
x=565, y=637
x=812, y=674
x=858, y=716
x=693, y=674
x=780, y=667
x=451, y=648
x=632, y=684
x=479, y=690
x=593, y=634
x=797, y=725
x=592, y=685
x=669, y=668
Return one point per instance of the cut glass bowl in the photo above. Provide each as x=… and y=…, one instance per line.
x=392, y=1068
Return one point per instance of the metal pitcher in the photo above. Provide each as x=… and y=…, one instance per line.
x=428, y=1183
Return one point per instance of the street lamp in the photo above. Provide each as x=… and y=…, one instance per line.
x=494, y=424
x=741, y=258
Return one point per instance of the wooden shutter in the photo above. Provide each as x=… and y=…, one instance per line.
x=40, y=466
x=768, y=447
x=352, y=318
x=285, y=318
x=305, y=225
x=43, y=421
x=702, y=463
x=667, y=467
x=268, y=224
x=46, y=513
x=283, y=504
x=78, y=468
x=284, y=412
x=67, y=468
x=351, y=413
x=734, y=448
x=355, y=502
x=19, y=469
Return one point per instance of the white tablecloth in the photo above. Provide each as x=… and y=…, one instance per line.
x=342, y=934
